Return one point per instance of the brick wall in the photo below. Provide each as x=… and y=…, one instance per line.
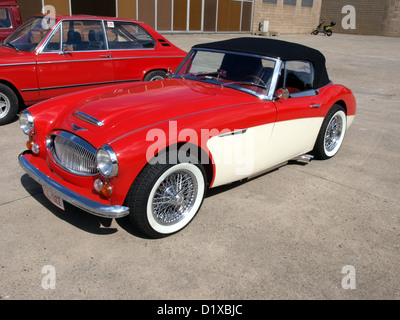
x=372, y=17
x=286, y=19
x=391, y=24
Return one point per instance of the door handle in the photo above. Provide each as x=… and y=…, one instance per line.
x=314, y=106
x=105, y=56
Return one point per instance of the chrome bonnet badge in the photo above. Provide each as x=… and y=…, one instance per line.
x=77, y=128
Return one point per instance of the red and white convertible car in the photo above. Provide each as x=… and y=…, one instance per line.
x=232, y=110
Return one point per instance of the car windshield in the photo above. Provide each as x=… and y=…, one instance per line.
x=29, y=35
x=241, y=71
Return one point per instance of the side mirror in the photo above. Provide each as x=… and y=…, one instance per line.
x=282, y=94
x=66, y=49
x=169, y=72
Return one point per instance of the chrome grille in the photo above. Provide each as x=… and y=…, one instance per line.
x=73, y=153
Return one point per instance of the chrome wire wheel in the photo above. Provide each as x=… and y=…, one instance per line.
x=4, y=105
x=333, y=133
x=175, y=198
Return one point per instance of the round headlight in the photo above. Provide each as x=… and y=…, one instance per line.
x=107, y=162
x=26, y=122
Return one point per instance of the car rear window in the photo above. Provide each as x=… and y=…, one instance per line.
x=126, y=35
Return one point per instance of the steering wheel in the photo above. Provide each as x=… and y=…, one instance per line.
x=258, y=79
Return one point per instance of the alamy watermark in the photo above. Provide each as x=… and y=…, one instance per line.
x=49, y=280
x=349, y=280
x=349, y=20
x=229, y=147
x=49, y=20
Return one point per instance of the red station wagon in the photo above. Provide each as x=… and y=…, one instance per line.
x=48, y=57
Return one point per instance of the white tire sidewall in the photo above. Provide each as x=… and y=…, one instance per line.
x=342, y=115
x=168, y=229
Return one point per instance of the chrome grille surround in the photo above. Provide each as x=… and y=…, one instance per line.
x=72, y=153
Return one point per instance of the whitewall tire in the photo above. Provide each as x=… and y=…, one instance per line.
x=331, y=135
x=165, y=197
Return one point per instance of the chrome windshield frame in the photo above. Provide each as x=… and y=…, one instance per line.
x=275, y=76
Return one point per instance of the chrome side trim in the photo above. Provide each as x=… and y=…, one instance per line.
x=87, y=118
x=233, y=133
x=84, y=85
x=88, y=205
x=100, y=59
x=18, y=64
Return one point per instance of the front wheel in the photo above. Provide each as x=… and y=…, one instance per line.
x=8, y=104
x=155, y=75
x=165, y=197
x=331, y=134
x=315, y=32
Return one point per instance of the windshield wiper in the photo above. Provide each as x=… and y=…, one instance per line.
x=10, y=45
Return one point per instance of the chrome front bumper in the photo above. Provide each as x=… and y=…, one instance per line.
x=93, y=207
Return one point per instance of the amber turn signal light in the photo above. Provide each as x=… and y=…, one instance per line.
x=106, y=190
x=33, y=146
x=103, y=187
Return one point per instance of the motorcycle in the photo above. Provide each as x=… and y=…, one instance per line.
x=328, y=30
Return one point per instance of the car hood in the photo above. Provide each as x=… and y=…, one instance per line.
x=127, y=108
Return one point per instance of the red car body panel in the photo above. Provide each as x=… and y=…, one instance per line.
x=230, y=110
x=40, y=75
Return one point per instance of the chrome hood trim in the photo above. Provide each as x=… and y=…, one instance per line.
x=88, y=118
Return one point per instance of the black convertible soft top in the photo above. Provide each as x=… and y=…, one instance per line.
x=275, y=49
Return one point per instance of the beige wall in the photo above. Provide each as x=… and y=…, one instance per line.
x=127, y=9
x=29, y=8
x=391, y=26
x=286, y=19
x=372, y=17
x=61, y=6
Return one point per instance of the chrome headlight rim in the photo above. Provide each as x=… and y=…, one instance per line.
x=26, y=122
x=107, y=162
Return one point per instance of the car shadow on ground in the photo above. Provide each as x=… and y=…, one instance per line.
x=103, y=226
x=75, y=216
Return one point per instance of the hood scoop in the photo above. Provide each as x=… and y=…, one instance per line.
x=87, y=118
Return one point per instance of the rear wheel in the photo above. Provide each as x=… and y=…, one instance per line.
x=331, y=134
x=329, y=33
x=164, y=198
x=155, y=75
x=8, y=104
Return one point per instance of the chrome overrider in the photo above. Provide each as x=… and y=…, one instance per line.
x=93, y=207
